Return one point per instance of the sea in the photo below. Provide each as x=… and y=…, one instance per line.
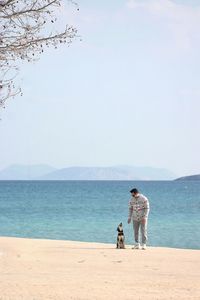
x=91, y=211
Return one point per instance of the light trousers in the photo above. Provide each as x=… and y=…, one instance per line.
x=138, y=225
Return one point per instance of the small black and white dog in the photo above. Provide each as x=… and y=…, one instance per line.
x=120, y=237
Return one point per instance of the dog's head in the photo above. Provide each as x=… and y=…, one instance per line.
x=120, y=228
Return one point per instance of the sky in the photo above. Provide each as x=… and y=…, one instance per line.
x=127, y=93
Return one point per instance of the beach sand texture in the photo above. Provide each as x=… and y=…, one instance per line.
x=33, y=269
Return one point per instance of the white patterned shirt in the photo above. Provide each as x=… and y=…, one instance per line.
x=138, y=208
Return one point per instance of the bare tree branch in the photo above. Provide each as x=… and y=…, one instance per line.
x=24, y=35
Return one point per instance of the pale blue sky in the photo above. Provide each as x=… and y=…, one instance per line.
x=128, y=93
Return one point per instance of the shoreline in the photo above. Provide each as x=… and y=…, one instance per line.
x=112, y=245
x=39, y=269
x=128, y=246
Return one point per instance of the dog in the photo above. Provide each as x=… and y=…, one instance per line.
x=120, y=237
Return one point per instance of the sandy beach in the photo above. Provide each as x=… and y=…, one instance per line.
x=33, y=269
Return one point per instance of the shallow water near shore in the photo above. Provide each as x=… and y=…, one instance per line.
x=91, y=210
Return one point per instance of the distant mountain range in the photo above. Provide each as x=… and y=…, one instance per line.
x=189, y=178
x=45, y=172
x=24, y=172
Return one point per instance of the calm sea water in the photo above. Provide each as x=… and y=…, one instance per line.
x=91, y=210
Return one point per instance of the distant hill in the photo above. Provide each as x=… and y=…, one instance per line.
x=23, y=172
x=109, y=173
x=187, y=178
x=45, y=172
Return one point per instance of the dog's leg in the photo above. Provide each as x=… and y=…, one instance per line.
x=117, y=245
x=119, y=242
x=123, y=242
x=122, y=245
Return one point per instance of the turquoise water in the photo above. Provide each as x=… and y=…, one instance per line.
x=91, y=210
